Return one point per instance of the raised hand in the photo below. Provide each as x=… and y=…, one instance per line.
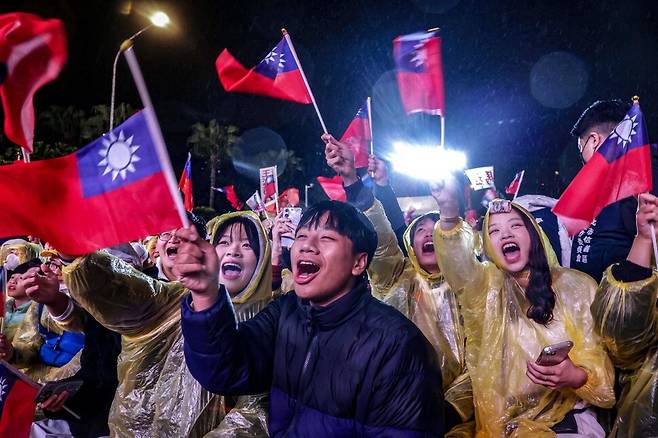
x=377, y=168
x=340, y=158
x=43, y=286
x=197, y=268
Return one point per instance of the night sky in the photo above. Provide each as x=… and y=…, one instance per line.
x=517, y=74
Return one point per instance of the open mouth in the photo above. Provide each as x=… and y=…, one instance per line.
x=306, y=271
x=428, y=247
x=511, y=252
x=231, y=271
x=171, y=251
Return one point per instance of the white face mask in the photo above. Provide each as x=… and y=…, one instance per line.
x=12, y=262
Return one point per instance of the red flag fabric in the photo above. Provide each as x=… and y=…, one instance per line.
x=17, y=404
x=289, y=197
x=358, y=137
x=620, y=168
x=277, y=75
x=232, y=197
x=515, y=185
x=32, y=53
x=333, y=187
x=113, y=190
x=185, y=184
x=420, y=72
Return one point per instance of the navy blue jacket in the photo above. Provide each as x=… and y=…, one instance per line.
x=356, y=367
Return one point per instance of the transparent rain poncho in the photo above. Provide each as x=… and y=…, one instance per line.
x=427, y=300
x=627, y=320
x=501, y=338
x=157, y=396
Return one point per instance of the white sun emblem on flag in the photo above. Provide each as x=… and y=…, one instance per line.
x=3, y=388
x=118, y=155
x=419, y=57
x=625, y=130
x=272, y=57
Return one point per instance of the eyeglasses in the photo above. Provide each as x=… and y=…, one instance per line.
x=166, y=237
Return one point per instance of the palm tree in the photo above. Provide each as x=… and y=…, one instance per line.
x=212, y=142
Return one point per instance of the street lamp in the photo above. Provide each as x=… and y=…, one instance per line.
x=158, y=19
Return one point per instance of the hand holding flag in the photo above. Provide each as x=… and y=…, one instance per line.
x=358, y=136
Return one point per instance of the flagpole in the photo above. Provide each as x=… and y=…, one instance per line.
x=443, y=130
x=372, y=141
x=519, y=186
x=276, y=182
x=26, y=155
x=4, y=298
x=154, y=129
x=301, y=70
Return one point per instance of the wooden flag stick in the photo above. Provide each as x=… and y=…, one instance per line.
x=156, y=134
x=301, y=70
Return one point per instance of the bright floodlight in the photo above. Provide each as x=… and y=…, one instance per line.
x=160, y=19
x=428, y=163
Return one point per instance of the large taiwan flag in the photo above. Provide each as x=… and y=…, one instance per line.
x=278, y=75
x=419, y=72
x=358, y=136
x=116, y=189
x=620, y=168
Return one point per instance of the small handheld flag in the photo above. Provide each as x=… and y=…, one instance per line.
x=358, y=136
x=185, y=184
x=269, y=186
x=256, y=203
x=419, y=72
x=17, y=403
x=481, y=177
x=515, y=185
x=32, y=53
x=620, y=168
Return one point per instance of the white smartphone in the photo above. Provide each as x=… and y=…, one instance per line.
x=554, y=354
x=295, y=215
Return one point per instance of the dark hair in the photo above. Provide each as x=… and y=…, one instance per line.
x=198, y=222
x=249, y=229
x=433, y=216
x=346, y=221
x=539, y=291
x=24, y=267
x=602, y=116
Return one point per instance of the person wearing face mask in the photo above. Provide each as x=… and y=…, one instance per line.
x=156, y=395
x=414, y=284
x=514, y=306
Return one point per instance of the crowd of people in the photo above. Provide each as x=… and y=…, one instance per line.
x=365, y=326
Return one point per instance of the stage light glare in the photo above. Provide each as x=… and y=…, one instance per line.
x=428, y=163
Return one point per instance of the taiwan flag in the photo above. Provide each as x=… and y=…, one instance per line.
x=515, y=185
x=185, y=184
x=358, y=137
x=620, y=168
x=278, y=75
x=116, y=189
x=17, y=403
x=419, y=72
x=32, y=53
x=333, y=187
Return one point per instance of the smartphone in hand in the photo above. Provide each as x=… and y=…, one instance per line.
x=554, y=354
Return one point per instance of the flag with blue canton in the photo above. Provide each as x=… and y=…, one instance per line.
x=419, y=72
x=278, y=75
x=358, y=136
x=121, y=157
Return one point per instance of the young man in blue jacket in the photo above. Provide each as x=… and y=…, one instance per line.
x=337, y=361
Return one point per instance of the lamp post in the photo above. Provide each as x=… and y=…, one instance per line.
x=158, y=19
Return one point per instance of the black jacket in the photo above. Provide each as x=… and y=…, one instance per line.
x=356, y=367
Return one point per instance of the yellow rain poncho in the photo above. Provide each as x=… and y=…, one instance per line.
x=427, y=300
x=627, y=320
x=500, y=338
x=22, y=249
x=156, y=396
x=27, y=342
